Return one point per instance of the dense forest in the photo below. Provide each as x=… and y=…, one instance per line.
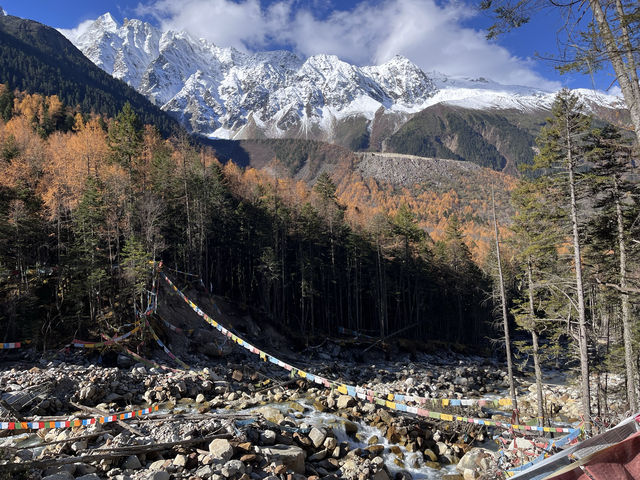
x=433, y=190
x=576, y=263
x=84, y=211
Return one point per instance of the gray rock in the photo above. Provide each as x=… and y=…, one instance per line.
x=319, y=455
x=84, y=469
x=272, y=414
x=268, y=437
x=443, y=448
x=461, y=381
x=112, y=397
x=64, y=475
x=345, y=401
x=180, y=460
x=330, y=443
x=90, y=476
x=232, y=468
x=381, y=475
x=369, y=408
x=159, y=475
x=470, y=474
x=71, y=468
x=26, y=455
x=473, y=459
x=157, y=465
x=204, y=472
x=132, y=463
x=317, y=436
x=291, y=456
x=123, y=361
x=221, y=450
x=79, y=445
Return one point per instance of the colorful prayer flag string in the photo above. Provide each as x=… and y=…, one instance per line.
x=392, y=401
x=79, y=422
x=84, y=344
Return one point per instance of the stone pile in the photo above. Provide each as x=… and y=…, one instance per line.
x=267, y=442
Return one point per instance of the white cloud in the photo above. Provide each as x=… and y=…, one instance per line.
x=73, y=33
x=428, y=33
x=245, y=25
x=615, y=90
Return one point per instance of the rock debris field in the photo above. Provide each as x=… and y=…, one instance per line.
x=241, y=419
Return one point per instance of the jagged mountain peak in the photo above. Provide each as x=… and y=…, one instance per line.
x=223, y=92
x=105, y=23
x=400, y=61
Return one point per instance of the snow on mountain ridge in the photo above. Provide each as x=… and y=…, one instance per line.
x=220, y=91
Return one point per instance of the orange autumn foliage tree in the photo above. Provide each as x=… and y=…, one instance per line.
x=366, y=197
x=27, y=157
x=71, y=158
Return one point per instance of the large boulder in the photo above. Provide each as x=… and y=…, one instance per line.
x=346, y=401
x=291, y=456
x=270, y=413
x=477, y=460
x=221, y=450
x=232, y=468
x=132, y=462
x=317, y=436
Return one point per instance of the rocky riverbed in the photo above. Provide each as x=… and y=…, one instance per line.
x=238, y=418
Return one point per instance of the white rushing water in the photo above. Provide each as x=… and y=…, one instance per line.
x=412, y=461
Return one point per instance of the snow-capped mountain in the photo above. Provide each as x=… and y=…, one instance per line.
x=222, y=92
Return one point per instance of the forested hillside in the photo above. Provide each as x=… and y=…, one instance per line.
x=369, y=184
x=38, y=59
x=486, y=138
x=84, y=211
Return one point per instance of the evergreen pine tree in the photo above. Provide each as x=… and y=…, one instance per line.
x=561, y=156
x=610, y=229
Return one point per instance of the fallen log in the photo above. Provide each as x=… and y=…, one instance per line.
x=9, y=408
x=68, y=440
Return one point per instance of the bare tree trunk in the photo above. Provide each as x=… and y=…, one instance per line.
x=626, y=73
x=536, y=349
x=503, y=301
x=626, y=310
x=582, y=318
x=383, y=293
x=187, y=207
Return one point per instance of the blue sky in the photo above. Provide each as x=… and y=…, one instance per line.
x=435, y=34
